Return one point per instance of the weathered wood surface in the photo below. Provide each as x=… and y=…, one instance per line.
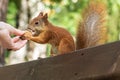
x=97, y=63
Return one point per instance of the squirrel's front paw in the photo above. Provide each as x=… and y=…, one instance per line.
x=27, y=35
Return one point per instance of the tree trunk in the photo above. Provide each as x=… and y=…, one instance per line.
x=3, y=9
x=3, y=12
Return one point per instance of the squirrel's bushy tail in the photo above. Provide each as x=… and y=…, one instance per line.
x=91, y=31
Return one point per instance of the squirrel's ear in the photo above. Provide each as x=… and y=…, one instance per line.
x=45, y=16
x=41, y=14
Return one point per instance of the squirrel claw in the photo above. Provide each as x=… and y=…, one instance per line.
x=26, y=36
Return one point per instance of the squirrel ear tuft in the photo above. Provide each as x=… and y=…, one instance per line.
x=45, y=16
x=41, y=14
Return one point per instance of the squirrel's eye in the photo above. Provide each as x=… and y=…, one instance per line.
x=36, y=23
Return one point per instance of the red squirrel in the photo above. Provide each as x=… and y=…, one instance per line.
x=90, y=32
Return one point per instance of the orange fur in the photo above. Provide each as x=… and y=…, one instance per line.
x=60, y=39
x=91, y=31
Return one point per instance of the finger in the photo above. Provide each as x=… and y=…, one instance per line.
x=5, y=39
x=11, y=29
x=19, y=44
x=15, y=39
x=17, y=32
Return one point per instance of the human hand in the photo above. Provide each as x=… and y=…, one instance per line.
x=5, y=39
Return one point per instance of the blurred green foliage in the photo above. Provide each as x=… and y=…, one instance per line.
x=113, y=24
x=13, y=9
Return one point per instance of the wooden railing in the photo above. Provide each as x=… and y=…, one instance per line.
x=97, y=63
